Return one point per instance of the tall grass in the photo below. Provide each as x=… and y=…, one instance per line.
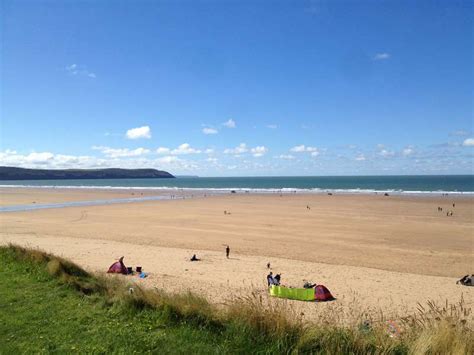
x=433, y=329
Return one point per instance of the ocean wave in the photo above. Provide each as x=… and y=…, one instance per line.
x=221, y=190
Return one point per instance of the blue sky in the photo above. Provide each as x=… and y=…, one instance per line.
x=233, y=88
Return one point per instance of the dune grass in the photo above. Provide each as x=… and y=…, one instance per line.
x=48, y=304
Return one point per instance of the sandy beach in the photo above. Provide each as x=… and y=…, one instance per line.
x=372, y=251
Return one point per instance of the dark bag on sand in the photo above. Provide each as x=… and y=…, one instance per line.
x=466, y=280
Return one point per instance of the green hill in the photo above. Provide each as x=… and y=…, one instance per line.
x=12, y=173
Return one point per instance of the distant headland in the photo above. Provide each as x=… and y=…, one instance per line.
x=13, y=173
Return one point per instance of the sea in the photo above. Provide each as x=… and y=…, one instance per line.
x=413, y=184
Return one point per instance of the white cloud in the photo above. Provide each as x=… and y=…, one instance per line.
x=121, y=152
x=360, y=157
x=286, y=156
x=386, y=153
x=168, y=159
x=139, y=132
x=185, y=148
x=211, y=160
x=209, y=151
x=382, y=56
x=46, y=160
x=229, y=124
x=302, y=148
x=298, y=149
x=259, y=151
x=208, y=130
x=75, y=69
x=469, y=142
x=39, y=157
x=408, y=151
x=272, y=126
x=459, y=133
x=162, y=150
x=72, y=68
x=242, y=148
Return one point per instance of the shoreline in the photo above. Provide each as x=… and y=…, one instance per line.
x=240, y=190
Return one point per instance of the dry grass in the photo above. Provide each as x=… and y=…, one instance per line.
x=433, y=329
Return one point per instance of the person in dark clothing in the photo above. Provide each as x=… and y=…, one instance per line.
x=268, y=266
x=270, y=279
x=227, y=251
x=195, y=258
x=277, y=279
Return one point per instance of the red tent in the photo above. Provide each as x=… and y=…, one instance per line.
x=118, y=267
x=321, y=293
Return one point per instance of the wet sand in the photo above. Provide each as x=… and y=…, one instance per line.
x=372, y=252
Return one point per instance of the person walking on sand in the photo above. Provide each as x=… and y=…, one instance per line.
x=227, y=251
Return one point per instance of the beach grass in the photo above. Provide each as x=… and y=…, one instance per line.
x=48, y=304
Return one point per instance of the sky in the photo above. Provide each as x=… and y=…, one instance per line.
x=239, y=88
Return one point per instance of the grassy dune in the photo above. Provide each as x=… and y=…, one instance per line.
x=48, y=304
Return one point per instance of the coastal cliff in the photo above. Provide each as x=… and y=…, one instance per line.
x=12, y=173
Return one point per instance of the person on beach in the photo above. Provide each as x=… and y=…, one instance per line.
x=227, y=251
x=195, y=258
x=268, y=266
x=270, y=279
x=277, y=279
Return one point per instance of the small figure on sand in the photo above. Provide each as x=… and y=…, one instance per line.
x=270, y=280
x=308, y=284
x=449, y=213
x=227, y=251
x=277, y=279
x=307, y=207
x=195, y=258
x=454, y=205
x=225, y=212
x=273, y=280
x=268, y=266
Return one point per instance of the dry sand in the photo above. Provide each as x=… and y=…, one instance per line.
x=372, y=252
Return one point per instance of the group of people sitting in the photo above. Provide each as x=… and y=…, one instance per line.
x=273, y=280
x=467, y=280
